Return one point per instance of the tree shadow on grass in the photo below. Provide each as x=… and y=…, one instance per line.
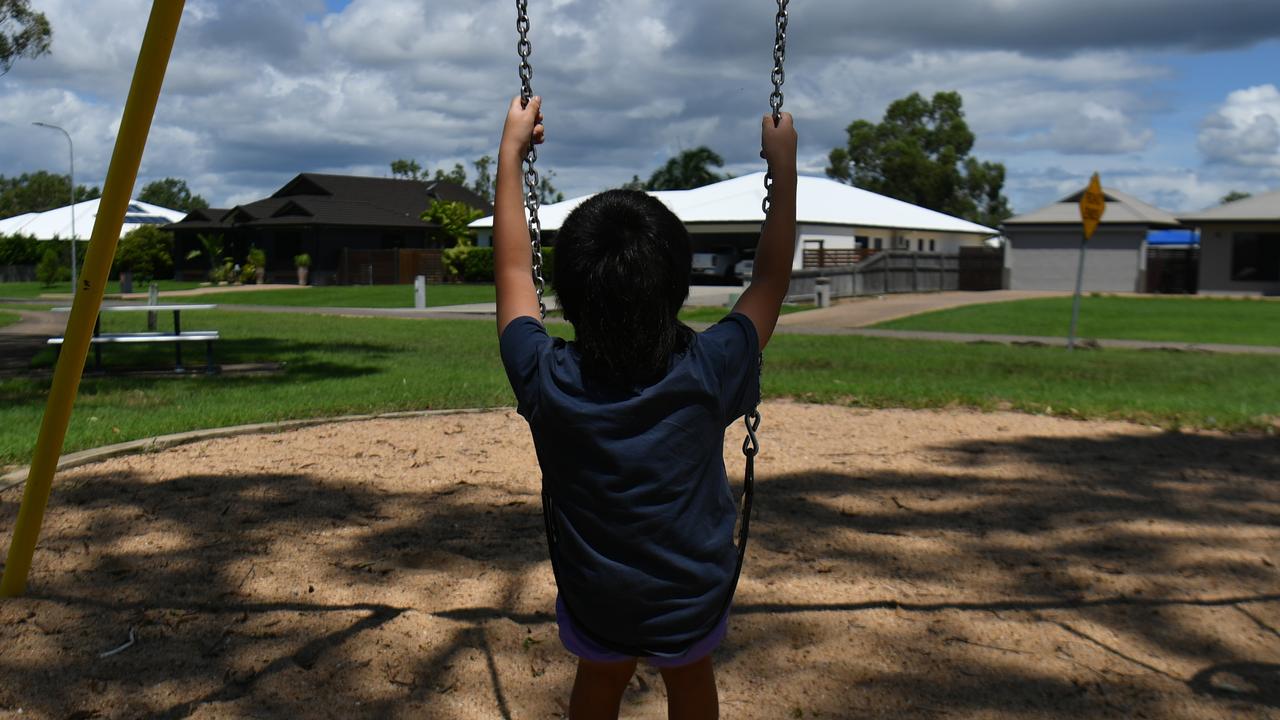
x=291, y=594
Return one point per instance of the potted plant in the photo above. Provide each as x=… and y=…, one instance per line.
x=258, y=260
x=303, y=263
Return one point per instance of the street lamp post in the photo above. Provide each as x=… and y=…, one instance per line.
x=72, y=150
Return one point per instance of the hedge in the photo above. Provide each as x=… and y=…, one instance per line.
x=475, y=264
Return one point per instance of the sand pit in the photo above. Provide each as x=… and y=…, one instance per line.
x=903, y=565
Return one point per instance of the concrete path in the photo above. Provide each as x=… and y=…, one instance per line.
x=867, y=311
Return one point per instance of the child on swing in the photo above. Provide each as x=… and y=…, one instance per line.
x=628, y=421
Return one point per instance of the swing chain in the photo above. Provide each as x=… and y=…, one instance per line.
x=778, y=76
x=531, y=181
x=751, y=445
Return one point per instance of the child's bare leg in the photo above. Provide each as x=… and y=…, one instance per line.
x=598, y=688
x=691, y=691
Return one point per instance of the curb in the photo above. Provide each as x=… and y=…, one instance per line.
x=18, y=477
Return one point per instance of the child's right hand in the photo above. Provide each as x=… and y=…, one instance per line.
x=778, y=143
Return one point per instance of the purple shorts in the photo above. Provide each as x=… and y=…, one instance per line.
x=581, y=646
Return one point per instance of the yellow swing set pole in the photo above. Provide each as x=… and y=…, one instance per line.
x=139, y=109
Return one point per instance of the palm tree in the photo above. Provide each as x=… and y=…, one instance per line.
x=690, y=169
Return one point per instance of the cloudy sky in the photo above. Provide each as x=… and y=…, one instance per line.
x=1175, y=101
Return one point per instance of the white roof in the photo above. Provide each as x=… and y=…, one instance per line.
x=10, y=225
x=57, y=222
x=1258, y=208
x=819, y=201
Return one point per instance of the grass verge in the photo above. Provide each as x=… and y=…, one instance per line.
x=1191, y=319
x=334, y=366
x=8, y=318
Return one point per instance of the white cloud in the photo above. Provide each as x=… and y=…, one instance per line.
x=1245, y=131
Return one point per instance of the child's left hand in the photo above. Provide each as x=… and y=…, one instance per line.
x=523, y=124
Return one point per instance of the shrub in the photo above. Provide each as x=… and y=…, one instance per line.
x=147, y=252
x=257, y=257
x=50, y=269
x=470, y=264
x=303, y=260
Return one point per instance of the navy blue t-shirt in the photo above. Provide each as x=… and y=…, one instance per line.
x=643, y=514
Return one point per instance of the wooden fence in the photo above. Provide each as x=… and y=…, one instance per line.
x=388, y=267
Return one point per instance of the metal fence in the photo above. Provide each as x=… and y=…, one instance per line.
x=17, y=273
x=882, y=273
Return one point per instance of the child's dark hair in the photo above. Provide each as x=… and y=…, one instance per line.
x=622, y=269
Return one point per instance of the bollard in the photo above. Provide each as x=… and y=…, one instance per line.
x=822, y=291
x=420, y=292
x=153, y=298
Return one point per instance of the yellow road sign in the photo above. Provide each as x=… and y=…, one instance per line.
x=1093, y=204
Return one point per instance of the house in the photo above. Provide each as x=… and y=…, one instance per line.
x=1044, y=245
x=56, y=223
x=326, y=217
x=831, y=218
x=1240, y=246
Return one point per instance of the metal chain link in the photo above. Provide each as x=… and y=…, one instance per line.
x=531, y=181
x=750, y=445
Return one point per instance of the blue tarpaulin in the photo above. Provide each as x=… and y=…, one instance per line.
x=1165, y=238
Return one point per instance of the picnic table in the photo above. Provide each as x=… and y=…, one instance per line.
x=177, y=338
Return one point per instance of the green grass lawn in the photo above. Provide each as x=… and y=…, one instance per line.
x=27, y=290
x=8, y=318
x=335, y=366
x=362, y=296
x=1192, y=320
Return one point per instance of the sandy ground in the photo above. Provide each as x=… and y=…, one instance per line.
x=902, y=565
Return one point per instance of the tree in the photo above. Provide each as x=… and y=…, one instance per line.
x=547, y=193
x=50, y=270
x=1233, y=196
x=453, y=217
x=23, y=33
x=690, y=169
x=635, y=183
x=919, y=154
x=406, y=169
x=147, y=252
x=39, y=191
x=172, y=193
x=483, y=185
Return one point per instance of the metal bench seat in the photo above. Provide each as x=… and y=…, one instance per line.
x=205, y=336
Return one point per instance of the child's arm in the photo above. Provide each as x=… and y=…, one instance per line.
x=771, y=273
x=512, y=256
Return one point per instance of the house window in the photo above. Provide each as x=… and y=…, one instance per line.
x=919, y=244
x=933, y=245
x=861, y=241
x=1255, y=257
x=879, y=243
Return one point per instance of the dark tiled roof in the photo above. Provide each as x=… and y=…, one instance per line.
x=347, y=200
x=311, y=210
